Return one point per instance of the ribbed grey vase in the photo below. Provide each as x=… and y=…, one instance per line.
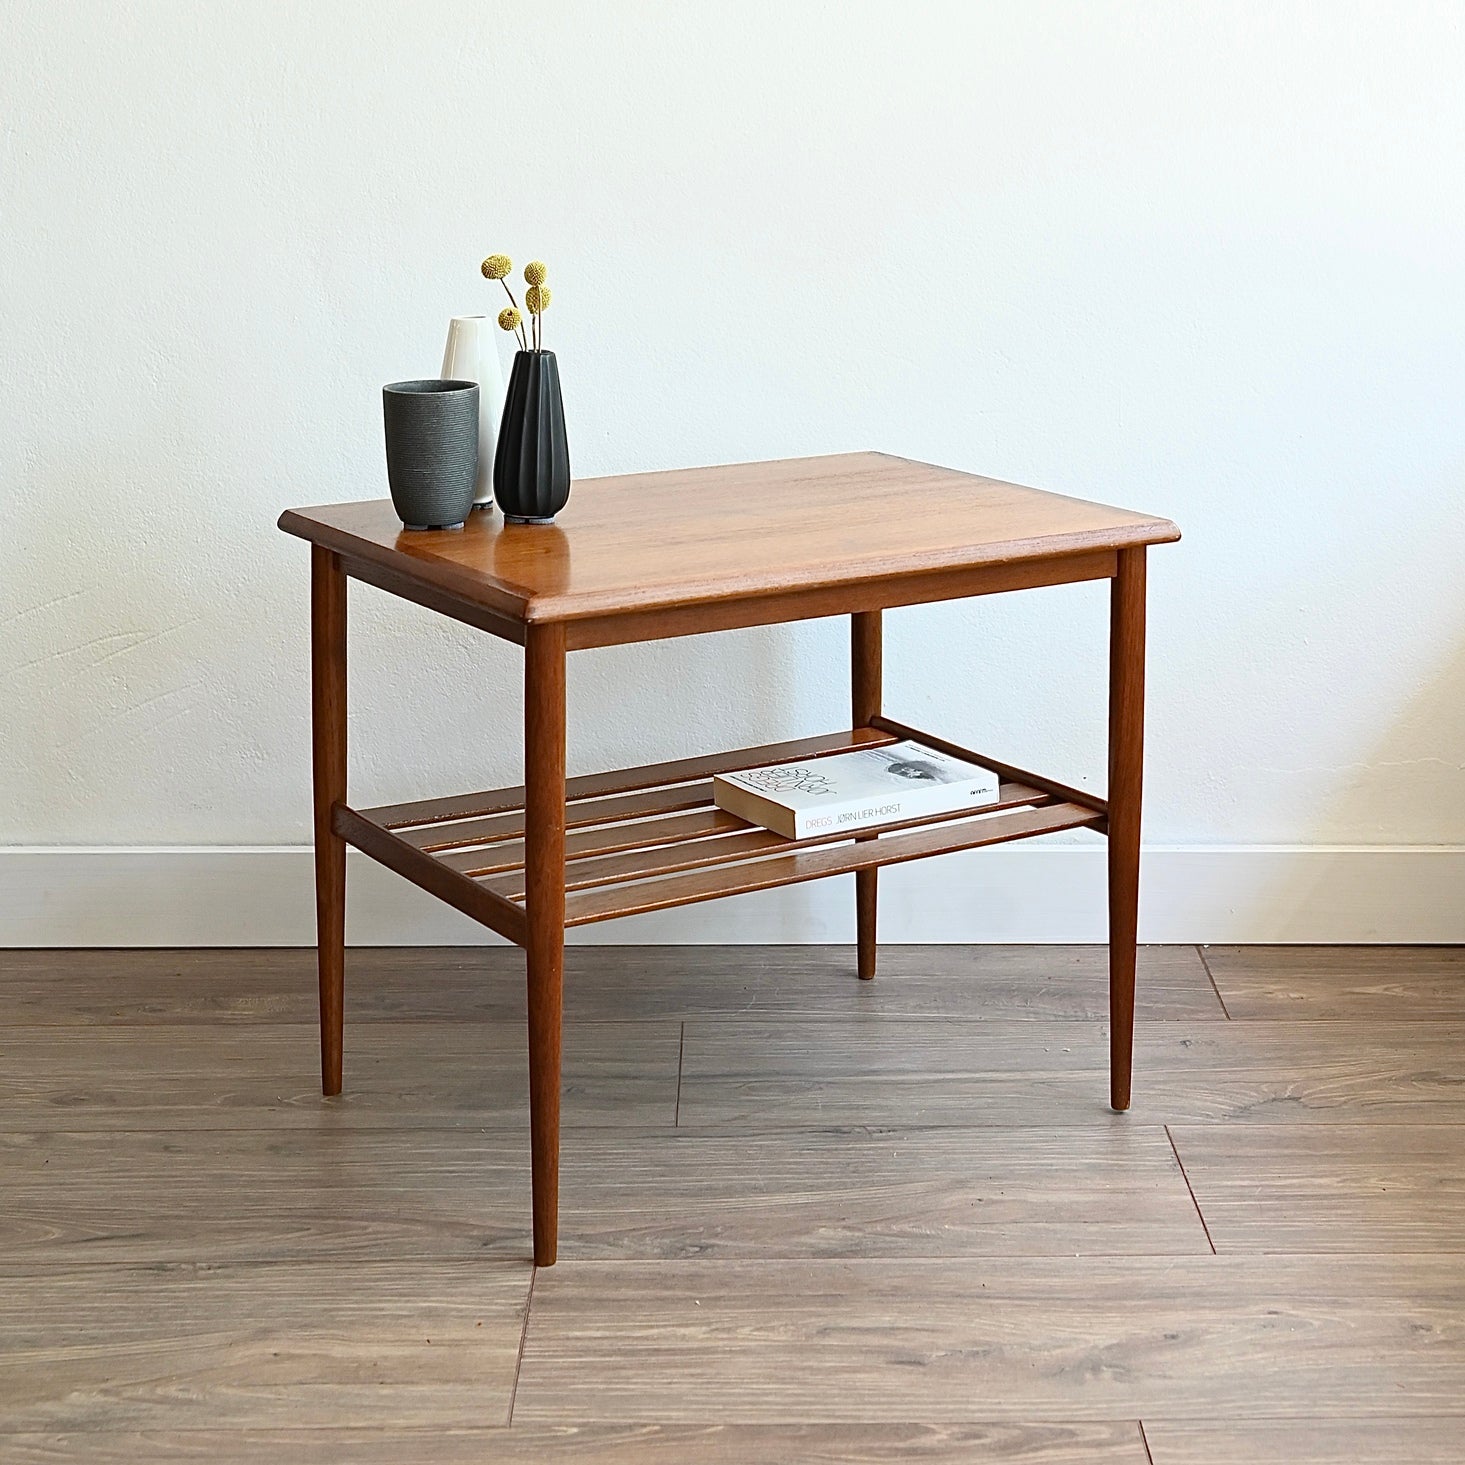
x=531, y=466
x=432, y=451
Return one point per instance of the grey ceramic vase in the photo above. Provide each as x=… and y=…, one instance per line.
x=432, y=451
x=531, y=467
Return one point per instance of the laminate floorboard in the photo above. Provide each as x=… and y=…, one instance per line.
x=267, y=1077
x=1054, y=1074
x=602, y=984
x=1357, y=983
x=1308, y=1442
x=894, y=1444
x=1327, y=1188
x=238, y=1347
x=243, y=1195
x=361, y=1195
x=1096, y=1338
x=862, y=1192
x=248, y=986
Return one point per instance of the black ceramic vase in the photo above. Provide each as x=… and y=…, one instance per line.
x=531, y=468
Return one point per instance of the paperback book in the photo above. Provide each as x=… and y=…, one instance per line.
x=855, y=790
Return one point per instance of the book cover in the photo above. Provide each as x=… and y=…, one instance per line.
x=855, y=790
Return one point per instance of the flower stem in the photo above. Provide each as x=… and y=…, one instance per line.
x=519, y=334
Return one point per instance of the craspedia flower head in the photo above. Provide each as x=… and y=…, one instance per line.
x=497, y=267
x=535, y=271
x=536, y=299
x=509, y=318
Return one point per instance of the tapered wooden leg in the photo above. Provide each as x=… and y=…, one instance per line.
x=865, y=672
x=544, y=903
x=1126, y=778
x=328, y=745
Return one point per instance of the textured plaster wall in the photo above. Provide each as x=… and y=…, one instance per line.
x=1201, y=258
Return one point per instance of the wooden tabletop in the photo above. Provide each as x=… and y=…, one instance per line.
x=650, y=541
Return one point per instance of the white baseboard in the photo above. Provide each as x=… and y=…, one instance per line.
x=261, y=896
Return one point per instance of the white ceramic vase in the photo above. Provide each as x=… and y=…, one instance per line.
x=472, y=355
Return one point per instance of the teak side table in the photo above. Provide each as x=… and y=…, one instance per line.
x=654, y=555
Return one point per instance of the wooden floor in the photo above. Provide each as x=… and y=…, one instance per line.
x=803, y=1218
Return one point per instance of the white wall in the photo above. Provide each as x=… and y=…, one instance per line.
x=1199, y=257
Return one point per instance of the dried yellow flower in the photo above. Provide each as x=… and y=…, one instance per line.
x=535, y=271
x=536, y=299
x=496, y=267
x=510, y=319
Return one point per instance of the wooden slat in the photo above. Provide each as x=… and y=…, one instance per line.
x=431, y=874
x=814, y=864
x=1003, y=770
x=464, y=833
x=624, y=780
x=603, y=839
x=652, y=855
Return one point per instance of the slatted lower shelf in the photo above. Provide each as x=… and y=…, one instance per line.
x=645, y=839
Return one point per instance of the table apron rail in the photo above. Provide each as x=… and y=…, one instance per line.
x=760, y=609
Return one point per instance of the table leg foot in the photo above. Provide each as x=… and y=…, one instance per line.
x=545, y=1003
x=330, y=877
x=866, y=903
